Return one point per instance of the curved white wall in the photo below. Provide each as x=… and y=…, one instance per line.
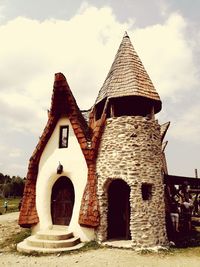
x=74, y=167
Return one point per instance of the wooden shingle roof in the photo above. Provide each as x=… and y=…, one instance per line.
x=128, y=77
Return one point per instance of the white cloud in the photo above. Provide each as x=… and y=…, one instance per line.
x=170, y=56
x=164, y=7
x=20, y=114
x=16, y=169
x=2, y=7
x=83, y=48
x=187, y=127
x=32, y=51
x=15, y=153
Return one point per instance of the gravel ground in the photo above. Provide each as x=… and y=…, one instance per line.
x=8, y=227
x=100, y=258
x=96, y=258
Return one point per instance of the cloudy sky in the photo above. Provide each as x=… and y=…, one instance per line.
x=80, y=38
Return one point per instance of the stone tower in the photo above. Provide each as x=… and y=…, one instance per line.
x=129, y=163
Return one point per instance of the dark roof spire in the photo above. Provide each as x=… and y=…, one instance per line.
x=125, y=34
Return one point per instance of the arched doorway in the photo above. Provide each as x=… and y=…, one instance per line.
x=118, y=210
x=62, y=201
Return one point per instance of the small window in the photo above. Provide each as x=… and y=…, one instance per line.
x=146, y=191
x=63, y=139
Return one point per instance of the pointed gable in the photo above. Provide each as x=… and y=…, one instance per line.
x=63, y=103
x=128, y=77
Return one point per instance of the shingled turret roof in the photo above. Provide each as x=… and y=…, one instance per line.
x=128, y=77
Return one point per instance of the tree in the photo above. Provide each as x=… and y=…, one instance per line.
x=8, y=190
x=2, y=178
x=18, y=186
x=11, y=186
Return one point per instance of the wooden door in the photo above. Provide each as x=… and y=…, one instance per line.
x=62, y=201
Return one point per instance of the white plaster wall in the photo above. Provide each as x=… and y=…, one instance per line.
x=74, y=167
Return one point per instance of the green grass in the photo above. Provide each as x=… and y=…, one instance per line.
x=12, y=204
x=92, y=245
x=12, y=241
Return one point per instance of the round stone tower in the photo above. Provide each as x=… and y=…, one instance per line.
x=129, y=163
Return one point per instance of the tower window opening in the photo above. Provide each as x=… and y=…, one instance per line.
x=130, y=106
x=99, y=109
x=146, y=191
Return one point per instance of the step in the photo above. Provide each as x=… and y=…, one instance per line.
x=23, y=247
x=54, y=235
x=59, y=227
x=54, y=240
x=46, y=243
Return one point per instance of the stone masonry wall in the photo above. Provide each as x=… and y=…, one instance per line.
x=131, y=150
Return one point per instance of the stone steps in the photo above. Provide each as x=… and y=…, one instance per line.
x=53, y=235
x=33, y=241
x=50, y=241
x=23, y=247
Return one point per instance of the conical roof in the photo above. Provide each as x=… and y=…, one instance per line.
x=128, y=77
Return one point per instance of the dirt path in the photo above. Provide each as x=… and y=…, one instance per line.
x=8, y=227
x=101, y=258
x=9, y=217
x=94, y=258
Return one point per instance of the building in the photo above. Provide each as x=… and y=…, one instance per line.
x=101, y=172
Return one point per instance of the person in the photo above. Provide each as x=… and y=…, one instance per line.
x=187, y=206
x=20, y=204
x=196, y=206
x=184, y=192
x=174, y=214
x=5, y=205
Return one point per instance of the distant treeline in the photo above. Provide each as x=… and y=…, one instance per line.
x=11, y=186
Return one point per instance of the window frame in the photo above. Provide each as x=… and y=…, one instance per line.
x=61, y=135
